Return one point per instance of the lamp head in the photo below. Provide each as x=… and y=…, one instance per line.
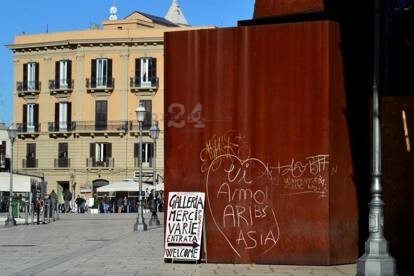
x=154, y=130
x=140, y=112
x=12, y=132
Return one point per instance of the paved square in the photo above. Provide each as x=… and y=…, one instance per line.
x=105, y=244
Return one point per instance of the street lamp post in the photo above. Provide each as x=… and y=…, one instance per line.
x=10, y=219
x=140, y=223
x=73, y=184
x=154, y=133
x=376, y=260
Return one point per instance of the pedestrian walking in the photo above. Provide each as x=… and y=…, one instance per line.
x=67, y=198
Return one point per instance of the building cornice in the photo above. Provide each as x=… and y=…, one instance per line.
x=79, y=43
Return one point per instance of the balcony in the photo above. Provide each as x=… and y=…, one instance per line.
x=134, y=126
x=57, y=87
x=28, y=130
x=28, y=88
x=62, y=162
x=145, y=165
x=29, y=163
x=107, y=162
x=100, y=85
x=59, y=128
x=105, y=127
x=136, y=85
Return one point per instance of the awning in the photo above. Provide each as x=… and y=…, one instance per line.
x=21, y=183
x=124, y=186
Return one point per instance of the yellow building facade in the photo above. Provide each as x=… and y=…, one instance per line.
x=75, y=95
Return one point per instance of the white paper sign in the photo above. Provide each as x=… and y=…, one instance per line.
x=184, y=227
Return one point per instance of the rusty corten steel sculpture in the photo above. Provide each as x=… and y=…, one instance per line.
x=265, y=8
x=255, y=119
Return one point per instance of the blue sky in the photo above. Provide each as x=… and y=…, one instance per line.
x=37, y=16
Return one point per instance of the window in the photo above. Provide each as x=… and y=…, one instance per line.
x=3, y=155
x=63, y=74
x=31, y=76
x=31, y=155
x=63, y=160
x=148, y=114
x=100, y=153
x=101, y=73
x=63, y=119
x=147, y=154
x=30, y=117
x=101, y=115
x=146, y=72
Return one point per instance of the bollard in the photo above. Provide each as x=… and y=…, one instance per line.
x=26, y=217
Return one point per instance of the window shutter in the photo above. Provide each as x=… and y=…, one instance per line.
x=37, y=86
x=69, y=118
x=92, y=150
x=109, y=77
x=36, y=117
x=57, y=74
x=137, y=70
x=25, y=77
x=56, y=116
x=136, y=149
x=153, y=70
x=69, y=74
x=28, y=151
x=93, y=73
x=25, y=117
x=109, y=150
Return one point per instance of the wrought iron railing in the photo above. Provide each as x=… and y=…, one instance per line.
x=59, y=127
x=134, y=126
x=28, y=86
x=137, y=83
x=100, y=83
x=25, y=128
x=145, y=163
x=113, y=126
x=107, y=162
x=57, y=85
x=29, y=163
x=62, y=162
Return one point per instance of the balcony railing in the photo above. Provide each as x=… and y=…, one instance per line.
x=29, y=163
x=28, y=88
x=137, y=85
x=58, y=86
x=112, y=126
x=145, y=163
x=59, y=127
x=134, y=126
x=107, y=162
x=24, y=128
x=100, y=84
x=62, y=162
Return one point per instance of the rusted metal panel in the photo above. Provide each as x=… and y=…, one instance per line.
x=255, y=119
x=266, y=8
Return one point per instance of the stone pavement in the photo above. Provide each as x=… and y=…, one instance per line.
x=105, y=244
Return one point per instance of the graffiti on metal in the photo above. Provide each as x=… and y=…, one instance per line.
x=247, y=190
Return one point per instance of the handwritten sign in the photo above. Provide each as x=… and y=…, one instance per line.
x=185, y=215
